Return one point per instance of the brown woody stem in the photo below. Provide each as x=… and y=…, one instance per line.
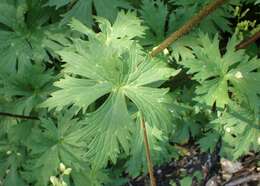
x=248, y=41
x=204, y=12
x=148, y=155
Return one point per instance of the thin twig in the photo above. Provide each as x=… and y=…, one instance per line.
x=204, y=12
x=248, y=41
x=6, y=114
x=148, y=155
x=252, y=177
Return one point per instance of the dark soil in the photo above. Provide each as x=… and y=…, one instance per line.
x=209, y=165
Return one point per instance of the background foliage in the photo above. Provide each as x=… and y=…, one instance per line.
x=81, y=70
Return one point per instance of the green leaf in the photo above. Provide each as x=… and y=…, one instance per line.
x=125, y=74
x=56, y=143
x=12, y=157
x=246, y=80
x=31, y=84
x=8, y=14
x=93, y=178
x=187, y=181
x=24, y=35
x=82, y=10
x=87, y=92
x=108, y=129
x=125, y=28
x=152, y=102
x=213, y=71
x=57, y=3
x=188, y=121
x=209, y=141
x=182, y=48
x=212, y=23
x=241, y=131
x=13, y=177
x=109, y=8
x=238, y=129
x=154, y=14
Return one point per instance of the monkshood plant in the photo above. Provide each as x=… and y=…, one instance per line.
x=90, y=90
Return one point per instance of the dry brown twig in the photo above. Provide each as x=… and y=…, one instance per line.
x=252, y=177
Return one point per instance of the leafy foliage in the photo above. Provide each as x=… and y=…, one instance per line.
x=28, y=87
x=24, y=34
x=213, y=71
x=239, y=130
x=121, y=70
x=76, y=79
x=82, y=9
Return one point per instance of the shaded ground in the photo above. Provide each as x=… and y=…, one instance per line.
x=206, y=170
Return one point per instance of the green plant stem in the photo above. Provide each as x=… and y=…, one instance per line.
x=204, y=12
x=148, y=155
x=6, y=114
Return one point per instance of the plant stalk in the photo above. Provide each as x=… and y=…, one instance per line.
x=248, y=41
x=194, y=21
x=148, y=155
x=6, y=114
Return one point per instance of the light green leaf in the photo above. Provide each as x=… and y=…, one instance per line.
x=108, y=129
x=122, y=71
x=87, y=92
x=238, y=130
x=152, y=102
x=214, y=72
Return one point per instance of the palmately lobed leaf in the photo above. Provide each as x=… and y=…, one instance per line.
x=57, y=141
x=28, y=87
x=107, y=129
x=154, y=14
x=26, y=34
x=214, y=72
x=124, y=75
x=238, y=129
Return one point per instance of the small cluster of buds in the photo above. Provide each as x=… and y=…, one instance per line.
x=64, y=170
x=9, y=152
x=58, y=181
x=238, y=75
